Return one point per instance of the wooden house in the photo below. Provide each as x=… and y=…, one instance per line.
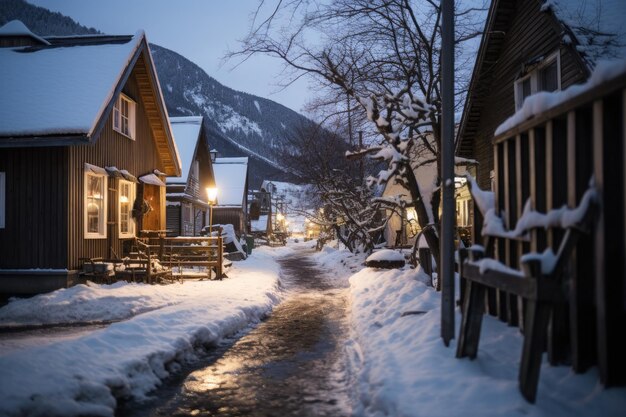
x=543, y=140
x=260, y=212
x=187, y=199
x=85, y=145
x=231, y=178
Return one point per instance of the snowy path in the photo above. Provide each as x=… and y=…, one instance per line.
x=292, y=364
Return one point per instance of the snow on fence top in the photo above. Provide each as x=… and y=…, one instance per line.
x=543, y=101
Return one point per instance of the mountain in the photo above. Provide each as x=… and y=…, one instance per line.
x=239, y=124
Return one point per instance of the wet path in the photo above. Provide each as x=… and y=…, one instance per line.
x=292, y=364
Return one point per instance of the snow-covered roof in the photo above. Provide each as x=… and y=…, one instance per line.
x=230, y=178
x=17, y=28
x=59, y=90
x=186, y=133
x=599, y=26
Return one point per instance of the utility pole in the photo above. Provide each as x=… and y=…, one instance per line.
x=446, y=269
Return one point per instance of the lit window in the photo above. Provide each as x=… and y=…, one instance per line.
x=124, y=116
x=544, y=76
x=411, y=219
x=126, y=200
x=95, y=204
x=2, y=199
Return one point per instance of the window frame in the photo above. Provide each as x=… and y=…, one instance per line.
x=119, y=116
x=102, y=222
x=131, y=199
x=3, y=201
x=534, y=75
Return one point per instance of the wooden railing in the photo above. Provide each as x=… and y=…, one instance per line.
x=551, y=160
x=182, y=251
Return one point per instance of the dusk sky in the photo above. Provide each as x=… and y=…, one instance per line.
x=200, y=30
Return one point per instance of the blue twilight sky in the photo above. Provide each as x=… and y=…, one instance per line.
x=200, y=30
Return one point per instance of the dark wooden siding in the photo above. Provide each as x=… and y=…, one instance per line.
x=234, y=216
x=36, y=202
x=111, y=148
x=173, y=220
x=529, y=33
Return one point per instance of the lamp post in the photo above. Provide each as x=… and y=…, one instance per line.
x=212, y=195
x=212, y=199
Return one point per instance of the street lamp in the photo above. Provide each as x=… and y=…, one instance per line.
x=212, y=195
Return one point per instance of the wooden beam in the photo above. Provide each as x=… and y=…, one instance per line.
x=598, y=173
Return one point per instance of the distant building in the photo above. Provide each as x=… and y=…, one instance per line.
x=231, y=178
x=85, y=146
x=187, y=204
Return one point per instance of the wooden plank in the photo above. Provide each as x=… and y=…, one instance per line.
x=582, y=310
x=610, y=304
x=514, y=284
x=558, y=337
x=536, y=321
x=601, y=288
x=471, y=322
x=509, y=190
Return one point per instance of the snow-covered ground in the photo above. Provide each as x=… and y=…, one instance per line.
x=163, y=327
x=396, y=355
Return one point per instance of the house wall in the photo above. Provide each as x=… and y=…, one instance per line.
x=173, y=220
x=34, y=235
x=531, y=33
x=234, y=216
x=111, y=148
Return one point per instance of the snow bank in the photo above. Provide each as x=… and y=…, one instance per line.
x=403, y=368
x=86, y=375
x=385, y=255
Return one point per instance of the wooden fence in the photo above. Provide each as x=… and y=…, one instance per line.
x=551, y=160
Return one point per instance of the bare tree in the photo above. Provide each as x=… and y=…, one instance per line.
x=344, y=205
x=384, y=55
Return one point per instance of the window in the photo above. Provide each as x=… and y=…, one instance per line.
x=3, y=202
x=125, y=207
x=187, y=220
x=95, y=203
x=124, y=116
x=542, y=76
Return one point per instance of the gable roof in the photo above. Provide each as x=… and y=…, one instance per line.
x=60, y=95
x=575, y=20
x=231, y=176
x=187, y=135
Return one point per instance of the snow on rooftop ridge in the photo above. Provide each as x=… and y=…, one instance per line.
x=17, y=28
x=540, y=102
x=186, y=119
x=598, y=26
x=231, y=160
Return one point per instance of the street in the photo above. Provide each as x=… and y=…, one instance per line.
x=292, y=364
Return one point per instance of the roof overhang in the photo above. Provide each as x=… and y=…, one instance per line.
x=142, y=65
